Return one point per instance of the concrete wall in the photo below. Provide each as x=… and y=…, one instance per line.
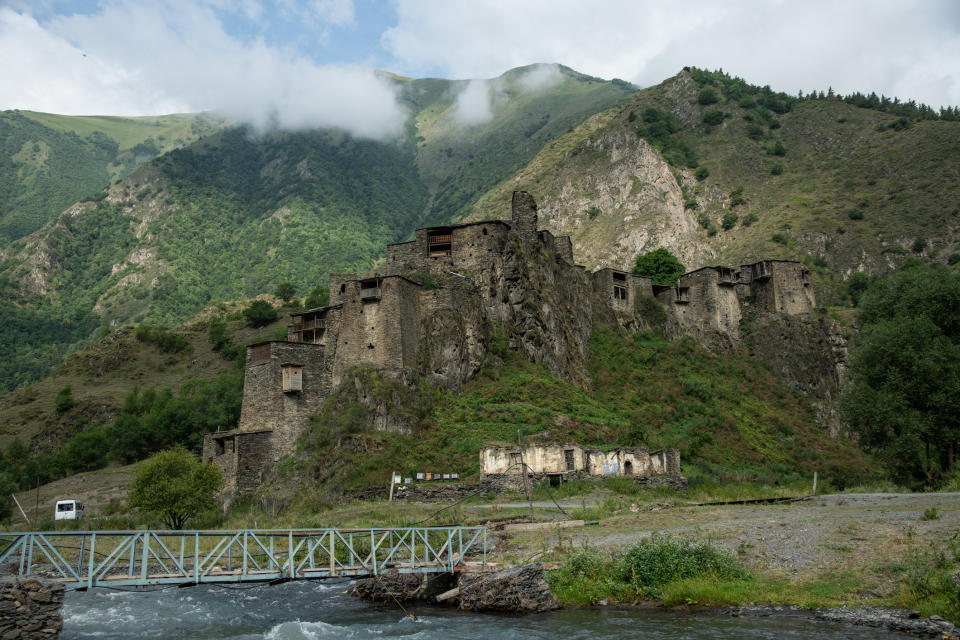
x=553, y=459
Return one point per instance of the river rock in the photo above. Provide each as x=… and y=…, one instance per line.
x=521, y=589
x=403, y=587
x=892, y=618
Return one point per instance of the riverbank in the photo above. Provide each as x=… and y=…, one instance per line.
x=840, y=550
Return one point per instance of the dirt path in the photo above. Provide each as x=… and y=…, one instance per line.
x=841, y=534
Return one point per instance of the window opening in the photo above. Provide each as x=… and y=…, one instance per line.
x=439, y=243
x=620, y=293
x=568, y=459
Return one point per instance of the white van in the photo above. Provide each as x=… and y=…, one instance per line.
x=68, y=510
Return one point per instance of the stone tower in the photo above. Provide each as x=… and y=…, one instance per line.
x=523, y=217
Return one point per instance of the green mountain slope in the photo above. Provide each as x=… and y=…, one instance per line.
x=49, y=161
x=839, y=187
x=730, y=416
x=235, y=214
x=528, y=107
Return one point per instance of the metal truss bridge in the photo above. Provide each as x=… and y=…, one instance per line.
x=86, y=559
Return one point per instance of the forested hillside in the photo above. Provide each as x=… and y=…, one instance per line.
x=237, y=213
x=48, y=161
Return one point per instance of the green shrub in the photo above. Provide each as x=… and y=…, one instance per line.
x=703, y=220
x=260, y=313
x=631, y=116
x=855, y=214
x=856, y=285
x=919, y=245
x=713, y=118
x=754, y=131
x=162, y=338
x=953, y=259
x=712, y=230
x=747, y=102
x=779, y=149
x=737, y=197
x=779, y=238
x=318, y=297
x=63, y=401
x=654, y=563
x=285, y=291
x=708, y=96
x=749, y=219
x=702, y=173
x=729, y=220
x=776, y=169
x=593, y=211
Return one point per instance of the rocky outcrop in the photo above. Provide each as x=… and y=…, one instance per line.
x=403, y=587
x=30, y=608
x=522, y=589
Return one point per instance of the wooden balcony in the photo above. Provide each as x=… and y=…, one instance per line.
x=370, y=293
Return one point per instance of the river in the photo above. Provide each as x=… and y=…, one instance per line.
x=314, y=610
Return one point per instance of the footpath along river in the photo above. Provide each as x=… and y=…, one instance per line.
x=314, y=610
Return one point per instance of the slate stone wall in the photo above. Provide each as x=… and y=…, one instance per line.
x=30, y=608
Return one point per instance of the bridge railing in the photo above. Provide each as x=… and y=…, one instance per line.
x=87, y=559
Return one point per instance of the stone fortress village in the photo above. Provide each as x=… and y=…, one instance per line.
x=432, y=314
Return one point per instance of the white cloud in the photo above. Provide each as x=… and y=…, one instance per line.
x=136, y=59
x=478, y=99
x=474, y=103
x=909, y=48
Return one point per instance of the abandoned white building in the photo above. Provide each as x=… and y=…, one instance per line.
x=557, y=462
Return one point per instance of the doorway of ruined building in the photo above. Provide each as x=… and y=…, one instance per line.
x=555, y=479
x=628, y=468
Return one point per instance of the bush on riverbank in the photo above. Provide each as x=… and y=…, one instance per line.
x=641, y=572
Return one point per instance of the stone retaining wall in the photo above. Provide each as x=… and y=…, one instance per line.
x=30, y=608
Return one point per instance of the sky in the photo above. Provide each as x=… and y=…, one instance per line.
x=297, y=64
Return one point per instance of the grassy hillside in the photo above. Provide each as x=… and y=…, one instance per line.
x=81, y=417
x=839, y=187
x=730, y=417
x=49, y=161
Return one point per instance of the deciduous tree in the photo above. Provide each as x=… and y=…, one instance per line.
x=176, y=486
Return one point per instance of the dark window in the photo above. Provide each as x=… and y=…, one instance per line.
x=484, y=231
x=515, y=460
x=620, y=293
x=628, y=468
x=568, y=458
x=622, y=277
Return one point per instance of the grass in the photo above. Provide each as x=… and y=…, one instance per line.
x=642, y=572
x=737, y=425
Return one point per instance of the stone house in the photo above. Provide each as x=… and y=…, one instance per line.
x=556, y=462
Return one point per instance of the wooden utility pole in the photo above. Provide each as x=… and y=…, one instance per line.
x=523, y=470
x=393, y=476
x=814, y=483
x=17, y=502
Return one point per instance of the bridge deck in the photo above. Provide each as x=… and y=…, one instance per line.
x=86, y=559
